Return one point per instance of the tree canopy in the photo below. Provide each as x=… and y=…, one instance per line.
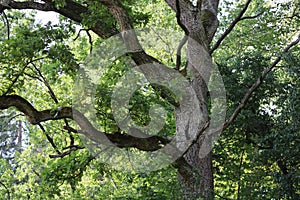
x=70, y=86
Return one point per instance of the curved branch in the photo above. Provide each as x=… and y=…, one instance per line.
x=71, y=149
x=71, y=10
x=178, y=53
x=7, y=190
x=121, y=140
x=230, y=28
x=5, y=20
x=178, y=16
x=252, y=17
x=34, y=116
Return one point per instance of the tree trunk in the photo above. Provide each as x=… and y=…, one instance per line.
x=200, y=24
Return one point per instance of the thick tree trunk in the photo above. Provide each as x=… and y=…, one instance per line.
x=201, y=185
x=199, y=21
x=199, y=155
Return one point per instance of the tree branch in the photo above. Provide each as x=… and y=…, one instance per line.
x=230, y=28
x=178, y=16
x=89, y=35
x=178, y=53
x=7, y=190
x=258, y=83
x=6, y=22
x=53, y=96
x=121, y=140
x=71, y=149
x=34, y=116
x=71, y=10
x=50, y=139
x=252, y=17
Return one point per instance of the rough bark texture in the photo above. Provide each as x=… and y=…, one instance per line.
x=200, y=23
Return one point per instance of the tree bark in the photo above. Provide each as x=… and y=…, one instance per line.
x=199, y=21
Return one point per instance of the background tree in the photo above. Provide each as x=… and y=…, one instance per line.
x=40, y=62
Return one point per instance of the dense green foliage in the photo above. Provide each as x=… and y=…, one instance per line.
x=257, y=157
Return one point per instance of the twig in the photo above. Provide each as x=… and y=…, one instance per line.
x=230, y=28
x=89, y=35
x=49, y=139
x=90, y=40
x=19, y=74
x=7, y=190
x=163, y=40
x=52, y=94
x=252, y=17
x=72, y=148
x=7, y=23
x=78, y=34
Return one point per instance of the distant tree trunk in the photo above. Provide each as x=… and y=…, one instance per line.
x=19, y=143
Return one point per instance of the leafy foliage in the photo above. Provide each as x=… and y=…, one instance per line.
x=255, y=158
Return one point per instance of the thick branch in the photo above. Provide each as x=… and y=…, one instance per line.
x=121, y=140
x=230, y=28
x=258, y=83
x=128, y=33
x=178, y=17
x=71, y=10
x=188, y=15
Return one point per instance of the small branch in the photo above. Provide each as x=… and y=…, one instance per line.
x=178, y=15
x=258, y=83
x=178, y=54
x=34, y=116
x=53, y=96
x=70, y=129
x=90, y=40
x=78, y=34
x=32, y=76
x=49, y=139
x=72, y=148
x=44, y=80
x=163, y=40
x=89, y=35
x=19, y=74
x=230, y=28
x=196, y=139
x=5, y=20
x=7, y=190
x=252, y=17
